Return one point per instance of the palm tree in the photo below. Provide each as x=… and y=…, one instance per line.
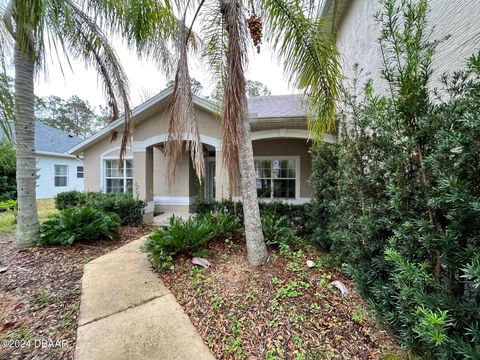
x=301, y=39
x=76, y=28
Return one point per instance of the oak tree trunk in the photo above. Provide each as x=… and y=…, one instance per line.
x=27, y=217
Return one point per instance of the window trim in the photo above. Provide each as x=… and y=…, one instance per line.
x=104, y=177
x=297, y=176
x=60, y=176
x=82, y=172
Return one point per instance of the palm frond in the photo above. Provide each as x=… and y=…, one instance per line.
x=146, y=25
x=182, y=118
x=85, y=40
x=234, y=101
x=310, y=57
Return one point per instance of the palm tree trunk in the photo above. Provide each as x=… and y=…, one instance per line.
x=27, y=217
x=256, y=248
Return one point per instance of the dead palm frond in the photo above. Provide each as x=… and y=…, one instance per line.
x=182, y=118
x=234, y=101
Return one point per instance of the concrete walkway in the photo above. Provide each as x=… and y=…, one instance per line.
x=164, y=219
x=127, y=313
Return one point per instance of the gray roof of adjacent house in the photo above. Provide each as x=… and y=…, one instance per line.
x=49, y=139
x=276, y=106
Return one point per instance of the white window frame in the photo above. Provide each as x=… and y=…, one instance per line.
x=55, y=176
x=125, y=177
x=297, y=176
x=81, y=172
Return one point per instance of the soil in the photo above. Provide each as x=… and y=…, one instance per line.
x=40, y=295
x=283, y=310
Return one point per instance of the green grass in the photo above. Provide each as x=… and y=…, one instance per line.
x=46, y=208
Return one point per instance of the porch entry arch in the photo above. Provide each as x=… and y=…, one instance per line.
x=139, y=146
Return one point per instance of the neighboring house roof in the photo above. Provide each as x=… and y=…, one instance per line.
x=276, y=106
x=51, y=140
x=264, y=107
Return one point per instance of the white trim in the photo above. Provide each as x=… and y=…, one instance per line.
x=297, y=172
x=298, y=201
x=288, y=134
x=139, y=146
x=103, y=179
x=174, y=200
x=51, y=153
x=55, y=176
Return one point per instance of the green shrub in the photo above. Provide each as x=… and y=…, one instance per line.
x=69, y=199
x=180, y=236
x=403, y=208
x=8, y=181
x=297, y=215
x=80, y=223
x=277, y=230
x=125, y=206
x=8, y=205
x=223, y=224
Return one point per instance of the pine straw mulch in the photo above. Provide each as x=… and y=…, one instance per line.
x=283, y=310
x=40, y=295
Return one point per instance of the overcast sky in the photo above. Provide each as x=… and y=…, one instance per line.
x=145, y=75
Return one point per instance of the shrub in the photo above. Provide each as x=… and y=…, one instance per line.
x=80, y=223
x=69, y=199
x=180, y=236
x=8, y=181
x=405, y=215
x=223, y=224
x=8, y=205
x=125, y=206
x=297, y=214
x=277, y=230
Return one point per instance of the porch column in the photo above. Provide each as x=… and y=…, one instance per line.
x=143, y=180
x=222, y=184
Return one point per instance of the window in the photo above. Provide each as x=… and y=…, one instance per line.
x=118, y=179
x=61, y=175
x=276, y=178
x=79, y=172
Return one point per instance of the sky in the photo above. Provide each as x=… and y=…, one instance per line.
x=144, y=76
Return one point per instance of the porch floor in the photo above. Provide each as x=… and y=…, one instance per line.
x=163, y=219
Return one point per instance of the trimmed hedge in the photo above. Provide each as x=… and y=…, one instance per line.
x=129, y=210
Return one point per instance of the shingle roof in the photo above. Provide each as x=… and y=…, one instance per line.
x=276, y=106
x=49, y=139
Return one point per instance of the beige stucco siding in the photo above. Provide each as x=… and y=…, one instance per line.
x=92, y=161
x=358, y=34
x=289, y=147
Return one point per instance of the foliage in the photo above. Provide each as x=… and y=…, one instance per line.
x=297, y=215
x=8, y=205
x=129, y=210
x=223, y=224
x=197, y=87
x=180, y=236
x=256, y=88
x=8, y=182
x=73, y=115
x=276, y=230
x=79, y=223
x=404, y=215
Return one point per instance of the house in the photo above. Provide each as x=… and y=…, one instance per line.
x=280, y=146
x=57, y=171
x=358, y=33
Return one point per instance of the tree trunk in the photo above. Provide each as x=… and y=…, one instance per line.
x=27, y=217
x=256, y=248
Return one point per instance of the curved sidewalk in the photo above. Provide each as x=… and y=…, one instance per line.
x=127, y=313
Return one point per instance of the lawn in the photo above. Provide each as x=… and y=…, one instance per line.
x=283, y=310
x=46, y=208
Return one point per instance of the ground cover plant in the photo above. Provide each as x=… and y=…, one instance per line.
x=399, y=203
x=85, y=223
x=40, y=292
x=283, y=310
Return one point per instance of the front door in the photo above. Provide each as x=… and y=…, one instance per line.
x=210, y=180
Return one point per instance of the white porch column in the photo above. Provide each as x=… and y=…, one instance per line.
x=143, y=180
x=222, y=184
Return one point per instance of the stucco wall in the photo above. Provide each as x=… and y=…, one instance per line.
x=289, y=147
x=46, y=171
x=358, y=34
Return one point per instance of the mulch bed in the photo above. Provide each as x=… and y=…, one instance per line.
x=283, y=310
x=40, y=295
